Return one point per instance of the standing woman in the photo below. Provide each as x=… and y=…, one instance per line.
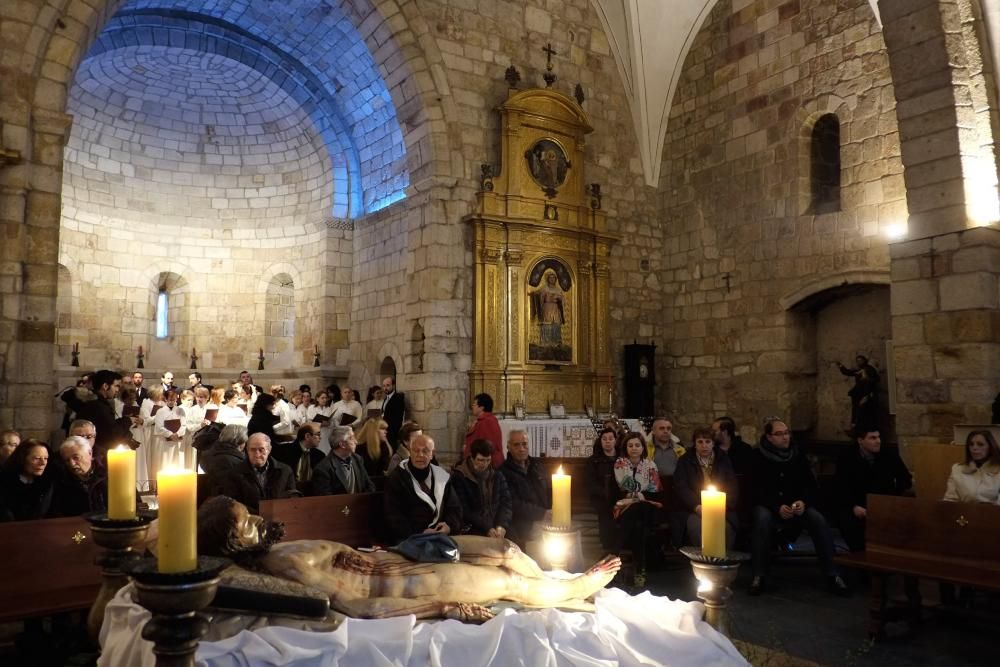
x=347, y=411
x=373, y=447
x=26, y=484
x=603, y=487
x=978, y=479
x=638, y=489
x=374, y=400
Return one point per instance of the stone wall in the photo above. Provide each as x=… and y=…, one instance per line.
x=741, y=251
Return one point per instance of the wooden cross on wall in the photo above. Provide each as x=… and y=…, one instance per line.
x=549, y=77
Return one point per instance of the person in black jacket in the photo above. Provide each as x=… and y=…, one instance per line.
x=258, y=478
x=530, y=495
x=393, y=409
x=482, y=493
x=101, y=412
x=27, y=490
x=419, y=497
x=706, y=464
x=262, y=417
x=303, y=456
x=740, y=454
x=342, y=471
x=81, y=481
x=603, y=487
x=866, y=468
x=784, y=494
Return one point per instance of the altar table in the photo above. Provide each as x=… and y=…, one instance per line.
x=566, y=438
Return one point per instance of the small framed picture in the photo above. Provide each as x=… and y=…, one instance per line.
x=590, y=412
x=557, y=410
x=519, y=412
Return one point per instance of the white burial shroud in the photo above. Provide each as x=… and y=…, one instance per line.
x=624, y=630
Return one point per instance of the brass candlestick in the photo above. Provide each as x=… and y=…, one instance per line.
x=118, y=538
x=715, y=575
x=561, y=547
x=175, y=601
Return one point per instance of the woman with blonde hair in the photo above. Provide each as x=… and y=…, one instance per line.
x=373, y=447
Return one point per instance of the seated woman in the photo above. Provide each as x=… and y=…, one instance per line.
x=636, y=510
x=373, y=447
x=603, y=487
x=26, y=484
x=707, y=464
x=978, y=479
x=385, y=584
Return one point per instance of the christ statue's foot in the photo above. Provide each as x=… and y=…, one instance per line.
x=603, y=571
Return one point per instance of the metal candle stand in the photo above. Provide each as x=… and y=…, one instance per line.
x=715, y=575
x=118, y=538
x=175, y=601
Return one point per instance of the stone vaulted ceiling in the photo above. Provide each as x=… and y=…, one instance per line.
x=650, y=40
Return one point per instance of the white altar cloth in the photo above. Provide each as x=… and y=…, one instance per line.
x=569, y=437
x=624, y=630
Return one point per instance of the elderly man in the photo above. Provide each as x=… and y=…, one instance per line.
x=386, y=584
x=419, y=497
x=259, y=477
x=9, y=440
x=82, y=485
x=342, y=471
x=664, y=447
x=482, y=492
x=530, y=494
x=303, y=456
x=784, y=491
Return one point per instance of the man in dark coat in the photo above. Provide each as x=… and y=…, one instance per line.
x=530, y=494
x=784, y=494
x=342, y=471
x=393, y=409
x=81, y=482
x=101, y=412
x=303, y=456
x=259, y=478
x=419, y=497
x=482, y=492
x=728, y=440
x=863, y=469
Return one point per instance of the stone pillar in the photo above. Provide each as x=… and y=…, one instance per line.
x=946, y=331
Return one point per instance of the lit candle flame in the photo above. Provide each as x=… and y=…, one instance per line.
x=121, y=448
x=711, y=488
x=560, y=471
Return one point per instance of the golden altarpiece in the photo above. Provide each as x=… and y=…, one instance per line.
x=541, y=262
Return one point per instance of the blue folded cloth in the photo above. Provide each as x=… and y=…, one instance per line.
x=428, y=548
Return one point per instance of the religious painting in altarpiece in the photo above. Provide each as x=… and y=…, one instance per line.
x=541, y=263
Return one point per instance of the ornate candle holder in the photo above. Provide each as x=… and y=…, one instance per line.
x=715, y=575
x=561, y=547
x=118, y=538
x=75, y=355
x=260, y=360
x=175, y=601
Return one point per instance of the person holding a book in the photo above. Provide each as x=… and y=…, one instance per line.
x=229, y=411
x=168, y=435
x=346, y=411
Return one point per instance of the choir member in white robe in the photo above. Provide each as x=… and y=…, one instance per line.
x=347, y=406
x=229, y=412
x=167, y=443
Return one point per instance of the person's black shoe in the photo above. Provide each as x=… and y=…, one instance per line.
x=838, y=586
x=757, y=586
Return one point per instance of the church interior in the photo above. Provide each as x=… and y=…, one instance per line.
x=582, y=208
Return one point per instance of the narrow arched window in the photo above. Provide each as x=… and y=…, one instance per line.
x=825, y=165
x=162, y=329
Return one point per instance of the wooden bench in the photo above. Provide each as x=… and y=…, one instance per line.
x=929, y=539
x=47, y=566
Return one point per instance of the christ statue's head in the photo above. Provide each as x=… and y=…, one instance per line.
x=226, y=528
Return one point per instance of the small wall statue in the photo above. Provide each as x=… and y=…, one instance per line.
x=489, y=569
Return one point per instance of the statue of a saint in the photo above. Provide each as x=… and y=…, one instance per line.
x=547, y=308
x=384, y=584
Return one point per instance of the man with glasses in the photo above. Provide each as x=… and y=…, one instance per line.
x=784, y=494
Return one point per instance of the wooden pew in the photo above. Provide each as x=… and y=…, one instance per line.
x=45, y=571
x=930, y=539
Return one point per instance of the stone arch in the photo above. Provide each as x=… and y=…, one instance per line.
x=67, y=310
x=387, y=357
x=801, y=125
x=833, y=319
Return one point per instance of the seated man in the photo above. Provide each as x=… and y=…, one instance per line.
x=784, y=490
x=530, y=495
x=82, y=484
x=482, y=492
x=386, y=584
x=419, y=497
x=342, y=471
x=259, y=477
x=729, y=441
x=303, y=456
x=867, y=468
